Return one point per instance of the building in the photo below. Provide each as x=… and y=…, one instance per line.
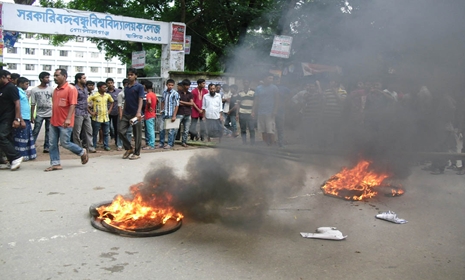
x=32, y=55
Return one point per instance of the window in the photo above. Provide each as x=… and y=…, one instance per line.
x=12, y=66
x=47, y=67
x=94, y=69
x=63, y=67
x=63, y=53
x=120, y=70
x=79, y=39
x=30, y=66
x=79, y=54
x=29, y=35
x=30, y=51
x=94, y=54
x=12, y=50
x=108, y=70
x=79, y=68
x=47, y=52
x=32, y=83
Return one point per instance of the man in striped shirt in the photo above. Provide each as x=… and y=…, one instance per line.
x=246, y=115
x=170, y=105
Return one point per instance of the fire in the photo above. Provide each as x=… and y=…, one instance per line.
x=139, y=212
x=357, y=183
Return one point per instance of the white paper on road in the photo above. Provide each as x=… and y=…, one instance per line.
x=390, y=217
x=330, y=233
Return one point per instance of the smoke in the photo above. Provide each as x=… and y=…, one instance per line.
x=234, y=188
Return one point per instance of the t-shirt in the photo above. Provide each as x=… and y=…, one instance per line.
x=152, y=98
x=234, y=99
x=131, y=98
x=226, y=95
x=24, y=102
x=42, y=99
x=246, y=99
x=114, y=95
x=185, y=110
x=100, y=106
x=8, y=95
x=63, y=98
x=266, y=99
x=198, y=101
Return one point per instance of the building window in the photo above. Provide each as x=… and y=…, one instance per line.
x=12, y=50
x=108, y=70
x=94, y=69
x=47, y=67
x=79, y=68
x=29, y=35
x=12, y=66
x=79, y=39
x=30, y=51
x=94, y=54
x=30, y=67
x=63, y=53
x=120, y=70
x=63, y=67
x=79, y=54
x=47, y=52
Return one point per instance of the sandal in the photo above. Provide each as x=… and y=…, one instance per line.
x=84, y=157
x=53, y=168
x=184, y=145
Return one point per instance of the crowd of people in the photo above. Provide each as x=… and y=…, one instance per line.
x=82, y=119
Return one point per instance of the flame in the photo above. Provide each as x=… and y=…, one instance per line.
x=357, y=183
x=140, y=211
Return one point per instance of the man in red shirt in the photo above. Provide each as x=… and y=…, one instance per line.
x=62, y=121
x=197, y=95
x=150, y=115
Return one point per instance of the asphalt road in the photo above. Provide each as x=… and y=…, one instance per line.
x=45, y=231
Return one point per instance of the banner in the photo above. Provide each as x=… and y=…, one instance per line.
x=309, y=69
x=177, y=37
x=138, y=60
x=281, y=46
x=187, y=44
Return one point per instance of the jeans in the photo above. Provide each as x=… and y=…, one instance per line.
x=171, y=133
x=246, y=121
x=106, y=132
x=193, y=128
x=123, y=127
x=37, y=126
x=119, y=142
x=64, y=135
x=186, y=124
x=150, y=132
x=114, y=128
x=83, y=124
x=7, y=143
x=230, y=119
x=279, y=121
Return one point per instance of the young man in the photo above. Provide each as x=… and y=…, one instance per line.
x=212, y=109
x=246, y=115
x=185, y=109
x=41, y=98
x=265, y=107
x=150, y=115
x=62, y=121
x=10, y=117
x=24, y=141
x=90, y=87
x=82, y=123
x=100, y=119
x=133, y=96
x=196, y=113
x=233, y=108
x=170, y=105
x=113, y=114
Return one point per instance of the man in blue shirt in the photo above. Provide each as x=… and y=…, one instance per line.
x=133, y=96
x=170, y=105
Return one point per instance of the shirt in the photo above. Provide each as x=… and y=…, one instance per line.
x=42, y=99
x=198, y=99
x=63, y=97
x=171, y=99
x=8, y=95
x=100, y=106
x=185, y=110
x=24, y=102
x=234, y=99
x=81, y=106
x=226, y=95
x=212, y=106
x=153, y=104
x=131, y=98
x=246, y=101
x=266, y=99
x=114, y=94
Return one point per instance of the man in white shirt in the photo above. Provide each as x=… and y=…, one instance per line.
x=212, y=108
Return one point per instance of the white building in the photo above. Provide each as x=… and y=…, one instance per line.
x=30, y=56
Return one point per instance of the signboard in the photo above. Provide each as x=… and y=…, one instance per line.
x=33, y=19
x=281, y=46
x=177, y=37
x=138, y=60
x=187, y=44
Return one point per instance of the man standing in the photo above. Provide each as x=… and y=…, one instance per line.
x=62, y=121
x=196, y=114
x=150, y=116
x=133, y=96
x=246, y=114
x=212, y=107
x=41, y=98
x=233, y=108
x=170, y=103
x=185, y=109
x=10, y=117
x=265, y=107
x=82, y=123
x=113, y=114
x=99, y=114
